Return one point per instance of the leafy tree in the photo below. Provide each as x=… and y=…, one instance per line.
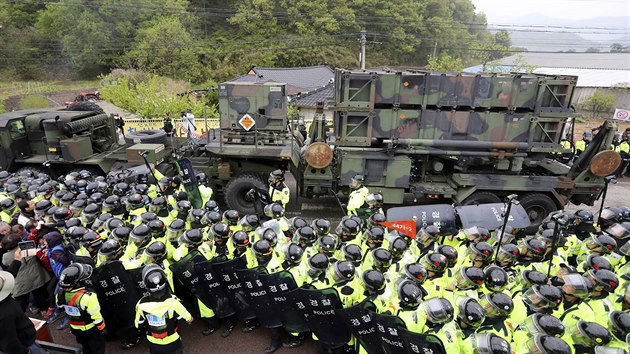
x=599, y=102
x=592, y=50
x=444, y=63
x=165, y=48
x=618, y=48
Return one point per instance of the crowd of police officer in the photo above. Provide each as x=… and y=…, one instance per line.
x=561, y=290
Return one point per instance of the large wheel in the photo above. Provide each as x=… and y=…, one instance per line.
x=481, y=198
x=235, y=192
x=151, y=136
x=537, y=206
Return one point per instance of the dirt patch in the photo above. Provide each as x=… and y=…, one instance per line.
x=54, y=98
x=591, y=123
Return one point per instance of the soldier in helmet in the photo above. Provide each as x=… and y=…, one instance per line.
x=82, y=308
x=158, y=313
x=358, y=195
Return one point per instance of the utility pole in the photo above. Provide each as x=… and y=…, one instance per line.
x=362, y=41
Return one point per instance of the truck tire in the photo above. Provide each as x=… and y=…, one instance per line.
x=481, y=198
x=537, y=206
x=150, y=136
x=236, y=190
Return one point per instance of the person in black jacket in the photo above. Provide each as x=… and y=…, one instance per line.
x=18, y=332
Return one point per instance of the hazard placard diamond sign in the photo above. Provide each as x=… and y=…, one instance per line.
x=247, y=122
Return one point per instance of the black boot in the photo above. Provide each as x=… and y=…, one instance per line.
x=211, y=325
x=230, y=323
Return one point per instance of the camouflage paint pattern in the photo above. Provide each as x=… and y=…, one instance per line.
x=266, y=103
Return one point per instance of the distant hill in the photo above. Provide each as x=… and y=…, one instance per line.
x=558, y=39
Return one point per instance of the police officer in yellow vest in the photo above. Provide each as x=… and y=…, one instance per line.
x=82, y=308
x=624, y=150
x=278, y=190
x=358, y=195
x=581, y=145
x=159, y=313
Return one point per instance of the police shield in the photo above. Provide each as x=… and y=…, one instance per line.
x=210, y=291
x=279, y=284
x=116, y=293
x=360, y=321
x=421, y=343
x=226, y=271
x=319, y=310
x=490, y=216
x=388, y=330
x=136, y=277
x=259, y=297
x=440, y=215
x=184, y=269
x=190, y=182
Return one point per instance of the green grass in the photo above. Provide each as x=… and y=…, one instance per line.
x=8, y=89
x=33, y=101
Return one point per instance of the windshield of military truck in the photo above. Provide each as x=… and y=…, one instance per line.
x=16, y=129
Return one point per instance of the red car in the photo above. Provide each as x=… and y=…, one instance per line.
x=85, y=97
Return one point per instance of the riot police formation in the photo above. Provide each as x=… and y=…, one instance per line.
x=130, y=259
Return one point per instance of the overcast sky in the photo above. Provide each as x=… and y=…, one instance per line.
x=498, y=10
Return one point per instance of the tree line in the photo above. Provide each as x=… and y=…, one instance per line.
x=213, y=40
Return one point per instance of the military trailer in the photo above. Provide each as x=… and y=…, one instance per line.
x=65, y=140
x=417, y=136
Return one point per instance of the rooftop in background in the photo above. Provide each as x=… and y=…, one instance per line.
x=298, y=80
x=592, y=69
x=311, y=98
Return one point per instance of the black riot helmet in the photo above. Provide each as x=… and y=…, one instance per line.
x=231, y=217
x=496, y=278
x=497, y=305
x=240, y=239
x=542, y=343
x=121, y=189
x=175, y=230
x=157, y=251
x=111, y=249
x=450, y=253
x=147, y=217
x=619, y=324
x=589, y=334
x=373, y=281
x=415, y=272
x=438, y=310
x=183, y=207
x=317, y=264
x=382, y=259
x=274, y=210
x=434, y=262
x=195, y=218
x=427, y=235
x=343, y=271
x=374, y=237
x=211, y=205
x=111, y=204
x=75, y=276
x=157, y=204
x=262, y=250
x=140, y=235
x=541, y=298
x=409, y=294
x=270, y=236
x=471, y=313
x=113, y=223
x=305, y=236
x=220, y=231
x=348, y=229
x=157, y=228
x=295, y=223
x=156, y=281
x=352, y=253
x=488, y=343
x=293, y=254
x=540, y=323
x=211, y=217
x=327, y=244
x=191, y=238
x=321, y=226
x=121, y=234
x=603, y=280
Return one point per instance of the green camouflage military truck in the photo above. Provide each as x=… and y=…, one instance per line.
x=417, y=136
x=65, y=140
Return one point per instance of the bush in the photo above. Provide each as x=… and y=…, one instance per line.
x=33, y=101
x=152, y=96
x=599, y=103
